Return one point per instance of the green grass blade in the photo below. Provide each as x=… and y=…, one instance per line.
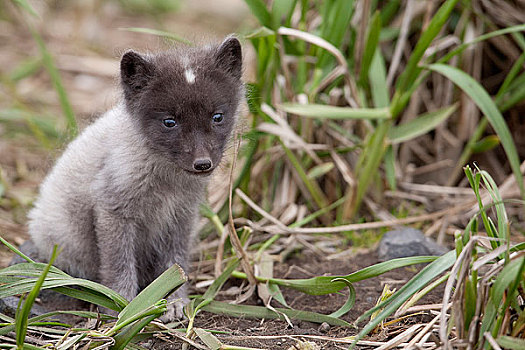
x=508, y=280
x=512, y=98
x=282, y=11
x=21, y=278
x=508, y=276
x=462, y=47
x=71, y=341
x=261, y=32
x=25, y=69
x=216, y=286
x=53, y=72
x=90, y=296
x=15, y=250
x=350, y=301
x=513, y=72
x=249, y=311
x=371, y=47
x=116, y=301
x=368, y=164
x=37, y=319
x=412, y=70
x=390, y=305
x=401, y=98
x=377, y=78
x=312, y=185
x=501, y=214
x=21, y=319
x=40, y=125
x=512, y=343
x=26, y=7
x=485, y=144
x=322, y=285
x=84, y=314
x=390, y=168
x=320, y=170
x=484, y=102
x=32, y=347
x=126, y=335
x=213, y=343
x=209, y=339
x=333, y=112
x=260, y=11
x=475, y=180
x=277, y=294
x=336, y=16
x=161, y=33
x=162, y=286
x=318, y=213
x=420, y=125
x=30, y=269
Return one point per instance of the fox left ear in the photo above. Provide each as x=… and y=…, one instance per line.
x=229, y=56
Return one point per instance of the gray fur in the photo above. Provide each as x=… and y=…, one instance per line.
x=121, y=210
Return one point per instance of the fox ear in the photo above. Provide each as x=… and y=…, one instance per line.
x=228, y=56
x=135, y=71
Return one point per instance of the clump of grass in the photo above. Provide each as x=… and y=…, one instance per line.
x=482, y=301
x=43, y=127
x=133, y=316
x=335, y=95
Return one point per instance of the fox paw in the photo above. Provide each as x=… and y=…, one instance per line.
x=175, y=311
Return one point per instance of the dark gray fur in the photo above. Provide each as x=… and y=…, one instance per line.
x=122, y=200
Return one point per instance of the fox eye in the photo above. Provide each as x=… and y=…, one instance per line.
x=169, y=123
x=217, y=117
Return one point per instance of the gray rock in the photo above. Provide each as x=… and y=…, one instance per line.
x=407, y=242
x=8, y=306
x=29, y=249
x=324, y=327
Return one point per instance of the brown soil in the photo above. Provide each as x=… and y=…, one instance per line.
x=273, y=334
x=276, y=334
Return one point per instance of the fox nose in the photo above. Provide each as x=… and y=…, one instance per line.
x=202, y=164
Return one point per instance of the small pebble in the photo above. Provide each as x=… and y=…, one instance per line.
x=406, y=242
x=324, y=327
x=148, y=344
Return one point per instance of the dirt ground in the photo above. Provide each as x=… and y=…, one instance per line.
x=277, y=334
x=271, y=334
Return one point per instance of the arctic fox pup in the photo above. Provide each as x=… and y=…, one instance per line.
x=122, y=200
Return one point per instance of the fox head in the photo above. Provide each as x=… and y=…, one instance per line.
x=185, y=101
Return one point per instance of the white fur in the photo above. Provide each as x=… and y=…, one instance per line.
x=189, y=75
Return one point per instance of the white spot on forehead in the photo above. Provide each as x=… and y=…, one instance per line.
x=189, y=75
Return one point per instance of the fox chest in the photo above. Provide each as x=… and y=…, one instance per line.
x=165, y=211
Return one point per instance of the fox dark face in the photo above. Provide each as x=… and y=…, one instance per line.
x=185, y=101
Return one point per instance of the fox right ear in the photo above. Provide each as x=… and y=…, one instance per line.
x=229, y=56
x=135, y=71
